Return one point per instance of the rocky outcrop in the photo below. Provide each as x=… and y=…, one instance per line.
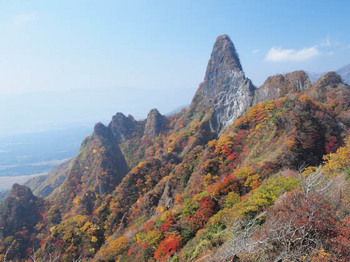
x=225, y=86
x=111, y=166
x=330, y=79
x=281, y=85
x=102, y=133
x=123, y=127
x=21, y=210
x=330, y=88
x=155, y=123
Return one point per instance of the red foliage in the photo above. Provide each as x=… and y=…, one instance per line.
x=300, y=221
x=205, y=211
x=168, y=223
x=232, y=156
x=341, y=243
x=230, y=183
x=240, y=136
x=331, y=145
x=148, y=226
x=269, y=168
x=168, y=246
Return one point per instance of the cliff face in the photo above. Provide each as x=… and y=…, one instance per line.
x=155, y=123
x=281, y=85
x=110, y=165
x=225, y=86
x=123, y=127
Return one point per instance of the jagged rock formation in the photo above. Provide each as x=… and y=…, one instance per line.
x=155, y=123
x=96, y=170
x=225, y=86
x=123, y=127
x=281, y=85
x=21, y=210
x=110, y=165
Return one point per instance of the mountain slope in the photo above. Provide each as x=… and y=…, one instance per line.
x=170, y=188
x=20, y=217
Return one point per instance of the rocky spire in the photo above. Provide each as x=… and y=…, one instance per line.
x=21, y=192
x=155, y=123
x=225, y=86
x=224, y=57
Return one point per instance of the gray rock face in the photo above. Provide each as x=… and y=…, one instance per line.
x=226, y=89
x=111, y=169
x=225, y=86
x=122, y=127
x=280, y=85
x=155, y=123
x=231, y=103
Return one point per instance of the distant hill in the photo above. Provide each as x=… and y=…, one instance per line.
x=344, y=72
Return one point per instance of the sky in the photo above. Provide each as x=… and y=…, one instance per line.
x=65, y=62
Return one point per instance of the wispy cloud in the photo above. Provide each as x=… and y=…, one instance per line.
x=25, y=18
x=278, y=54
x=255, y=51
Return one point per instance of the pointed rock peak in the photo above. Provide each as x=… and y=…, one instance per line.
x=224, y=70
x=101, y=132
x=330, y=79
x=224, y=57
x=122, y=127
x=119, y=116
x=155, y=123
x=225, y=87
x=153, y=112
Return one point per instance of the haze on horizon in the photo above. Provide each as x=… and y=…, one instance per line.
x=77, y=62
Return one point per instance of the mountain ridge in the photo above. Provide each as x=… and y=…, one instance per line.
x=168, y=188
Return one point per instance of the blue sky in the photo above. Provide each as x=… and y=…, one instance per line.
x=68, y=47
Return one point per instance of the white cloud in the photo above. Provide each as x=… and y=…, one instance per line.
x=255, y=51
x=278, y=54
x=22, y=19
